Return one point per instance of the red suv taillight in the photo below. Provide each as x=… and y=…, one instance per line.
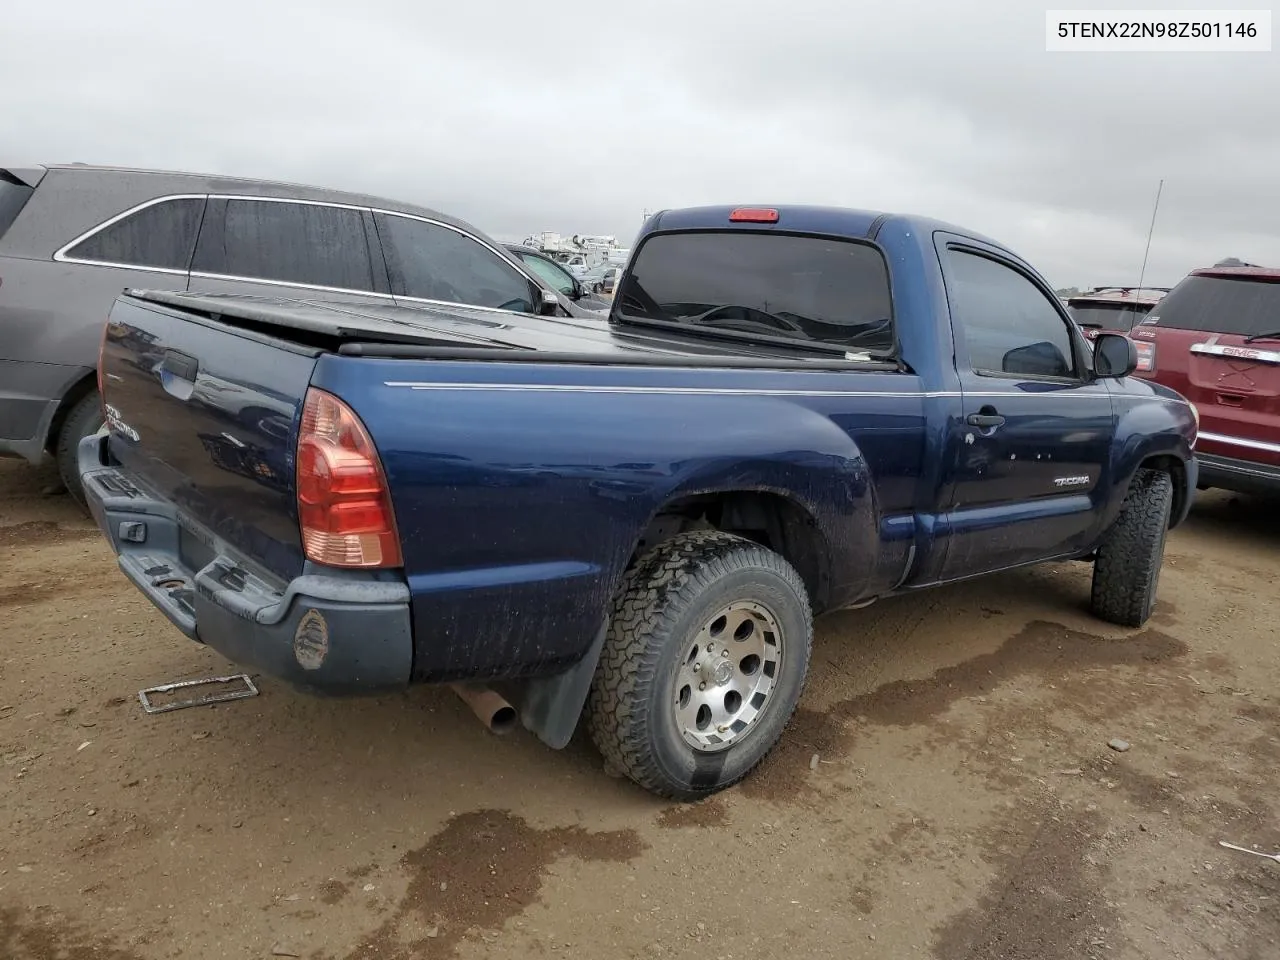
x=1146, y=356
x=344, y=505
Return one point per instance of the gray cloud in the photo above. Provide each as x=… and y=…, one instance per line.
x=579, y=116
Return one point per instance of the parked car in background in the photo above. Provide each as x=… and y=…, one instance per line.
x=1112, y=309
x=73, y=236
x=593, y=277
x=790, y=410
x=558, y=277
x=1215, y=339
x=609, y=284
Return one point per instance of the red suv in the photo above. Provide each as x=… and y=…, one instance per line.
x=1215, y=338
x=1112, y=309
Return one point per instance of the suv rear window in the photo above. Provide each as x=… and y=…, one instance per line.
x=14, y=195
x=1103, y=316
x=813, y=289
x=1244, y=305
x=160, y=236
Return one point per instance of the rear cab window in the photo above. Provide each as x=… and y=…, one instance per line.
x=14, y=195
x=772, y=287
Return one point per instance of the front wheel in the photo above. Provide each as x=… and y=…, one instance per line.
x=1127, y=571
x=703, y=665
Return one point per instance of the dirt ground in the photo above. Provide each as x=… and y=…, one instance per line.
x=964, y=803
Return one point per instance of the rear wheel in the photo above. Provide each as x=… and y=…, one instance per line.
x=83, y=420
x=703, y=666
x=1127, y=571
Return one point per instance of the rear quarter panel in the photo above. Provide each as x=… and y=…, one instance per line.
x=522, y=490
x=52, y=312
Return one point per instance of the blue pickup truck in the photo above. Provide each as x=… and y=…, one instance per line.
x=788, y=411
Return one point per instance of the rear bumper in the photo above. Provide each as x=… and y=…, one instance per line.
x=1242, y=476
x=333, y=632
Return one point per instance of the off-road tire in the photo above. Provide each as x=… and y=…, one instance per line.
x=83, y=419
x=665, y=598
x=1127, y=571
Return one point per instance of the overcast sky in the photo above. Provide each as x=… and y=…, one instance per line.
x=578, y=116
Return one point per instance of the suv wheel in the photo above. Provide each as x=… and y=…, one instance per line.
x=703, y=665
x=83, y=420
x=1127, y=571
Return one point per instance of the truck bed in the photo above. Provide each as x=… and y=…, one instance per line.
x=457, y=333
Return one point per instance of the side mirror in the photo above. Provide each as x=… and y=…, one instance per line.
x=1114, y=356
x=551, y=303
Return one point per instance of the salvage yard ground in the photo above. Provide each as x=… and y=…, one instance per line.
x=964, y=802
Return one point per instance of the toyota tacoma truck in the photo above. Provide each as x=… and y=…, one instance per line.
x=790, y=410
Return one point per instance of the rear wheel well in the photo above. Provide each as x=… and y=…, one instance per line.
x=75, y=393
x=770, y=519
x=1177, y=472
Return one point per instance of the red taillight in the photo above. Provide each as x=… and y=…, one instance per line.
x=753, y=215
x=344, y=505
x=1146, y=356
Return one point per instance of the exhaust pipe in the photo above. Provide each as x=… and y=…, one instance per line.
x=493, y=711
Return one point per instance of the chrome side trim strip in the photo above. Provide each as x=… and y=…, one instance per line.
x=700, y=391
x=1241, y=442
x=201, y=275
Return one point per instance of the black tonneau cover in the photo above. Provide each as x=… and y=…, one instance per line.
x=381, y=328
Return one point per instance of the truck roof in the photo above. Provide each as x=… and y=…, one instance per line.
x=807, y=218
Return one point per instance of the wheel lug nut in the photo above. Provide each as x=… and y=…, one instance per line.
x=702, y=686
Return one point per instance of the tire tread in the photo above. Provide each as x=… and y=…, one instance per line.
x=673, y=572
x=1127, y=569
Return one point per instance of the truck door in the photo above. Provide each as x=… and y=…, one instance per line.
x=1027, y=454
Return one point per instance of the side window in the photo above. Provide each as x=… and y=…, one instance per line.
x=161, y=235
x=1010, y=326
x=432, y=262
x=304, y=243
x=552, y=275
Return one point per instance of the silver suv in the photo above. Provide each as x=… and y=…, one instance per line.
x=73, y=236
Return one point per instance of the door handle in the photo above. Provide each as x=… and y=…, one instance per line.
x=985, y=421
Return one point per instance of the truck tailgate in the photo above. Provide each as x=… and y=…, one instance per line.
x=207, y=416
